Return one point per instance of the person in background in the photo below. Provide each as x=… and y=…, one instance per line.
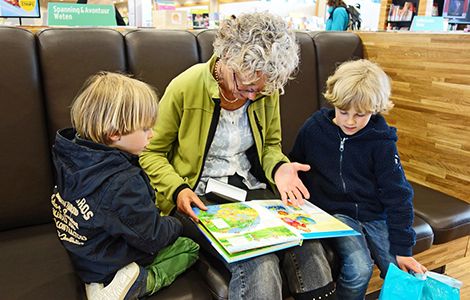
x=103, y=203
x=356, y=175
x=221, y=120
x=338, y=19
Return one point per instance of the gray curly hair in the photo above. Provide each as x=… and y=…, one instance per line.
x=258, y=42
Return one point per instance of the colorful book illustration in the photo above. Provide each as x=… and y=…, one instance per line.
x=309, y=221
x=243, y=230
x=244, y=226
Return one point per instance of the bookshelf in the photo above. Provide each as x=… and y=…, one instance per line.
x=401, y=13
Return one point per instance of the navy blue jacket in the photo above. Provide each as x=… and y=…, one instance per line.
x=104, y=208
x=358, y=175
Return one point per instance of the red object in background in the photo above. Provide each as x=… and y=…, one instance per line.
x=13, y=2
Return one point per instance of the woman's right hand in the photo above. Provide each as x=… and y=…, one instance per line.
x=184, y=200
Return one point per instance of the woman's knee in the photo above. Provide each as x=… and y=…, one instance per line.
x=256, y=278
x=263, y=266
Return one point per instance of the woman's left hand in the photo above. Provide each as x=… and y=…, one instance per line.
x=289, y=184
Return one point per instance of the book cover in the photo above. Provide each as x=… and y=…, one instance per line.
x=243, y=230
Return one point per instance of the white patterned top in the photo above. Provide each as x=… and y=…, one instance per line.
x=227, y=154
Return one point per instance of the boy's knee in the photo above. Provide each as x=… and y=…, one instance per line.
x=359, y=274
x=363, y=274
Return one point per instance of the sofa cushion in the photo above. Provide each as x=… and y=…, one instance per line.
x=34, y=265
x=333, y=48
x=26, y=174
x=158, y=56
x=300, y=100
x=448, y=216
x=215, y=274
x=205, y=38
x=68, y=56
x=424, y=235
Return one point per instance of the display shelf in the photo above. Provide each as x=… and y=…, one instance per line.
x=457, y=21
x=401, y=13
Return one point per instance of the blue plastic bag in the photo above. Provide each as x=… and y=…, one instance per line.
x=399, y=285
x=438, y=286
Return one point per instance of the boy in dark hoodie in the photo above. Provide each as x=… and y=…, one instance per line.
x=103, y=203
x=356, y=175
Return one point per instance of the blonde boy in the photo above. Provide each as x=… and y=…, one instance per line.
x=356, y=175
x=103, y=204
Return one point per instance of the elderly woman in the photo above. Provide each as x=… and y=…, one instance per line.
x=221, y=120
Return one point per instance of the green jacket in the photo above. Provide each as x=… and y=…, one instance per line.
x=187, y=119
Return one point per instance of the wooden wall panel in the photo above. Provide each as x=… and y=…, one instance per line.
x=383, y=16
x=431, y=92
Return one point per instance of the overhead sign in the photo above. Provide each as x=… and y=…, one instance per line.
x=68, y=14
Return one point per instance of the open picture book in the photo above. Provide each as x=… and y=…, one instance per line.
x=241, y=230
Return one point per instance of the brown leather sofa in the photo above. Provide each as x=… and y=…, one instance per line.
x=39, y=76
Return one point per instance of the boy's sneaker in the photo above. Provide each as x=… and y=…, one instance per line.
x=118, y=288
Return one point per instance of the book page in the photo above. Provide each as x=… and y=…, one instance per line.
x=240, y=226
x=309, y=220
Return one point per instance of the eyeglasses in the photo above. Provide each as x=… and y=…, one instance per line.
x=263, y=91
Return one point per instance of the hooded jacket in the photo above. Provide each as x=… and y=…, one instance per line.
x=357, y=175
x=104, y=210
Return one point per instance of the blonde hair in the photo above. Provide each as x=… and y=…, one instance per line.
x=361, y=84
x=258, y=42
x=111, y=103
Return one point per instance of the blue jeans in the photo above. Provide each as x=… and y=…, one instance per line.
x=305, y=267
x=358, y=254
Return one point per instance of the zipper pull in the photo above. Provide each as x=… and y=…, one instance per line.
x=341, y=146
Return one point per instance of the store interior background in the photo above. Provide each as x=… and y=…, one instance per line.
x=139, y=11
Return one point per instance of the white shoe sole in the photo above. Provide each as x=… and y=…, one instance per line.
x=121, y=284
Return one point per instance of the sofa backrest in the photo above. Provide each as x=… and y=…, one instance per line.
x=205, y=39
x=26, y=178
x=300, y=100
x=68, y=56
x=158, y=56
x=333, y=48
x=42, y=74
